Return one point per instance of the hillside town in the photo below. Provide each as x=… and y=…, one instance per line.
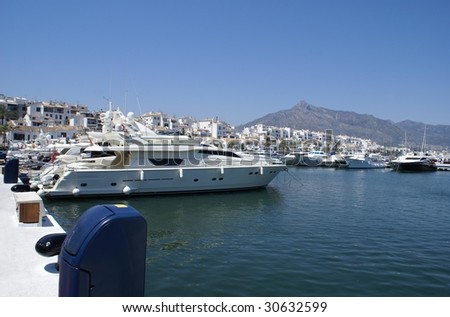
x=24, y=121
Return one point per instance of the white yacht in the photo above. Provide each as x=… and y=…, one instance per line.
x=313, y=158
x=365, y=161
x=293, y=158
x=443, y=164
x=414, y=162
x=335, y=160
x=129, y=159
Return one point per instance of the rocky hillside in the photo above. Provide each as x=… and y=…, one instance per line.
x=384, y=132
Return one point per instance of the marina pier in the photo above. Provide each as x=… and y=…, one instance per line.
x=23, y=272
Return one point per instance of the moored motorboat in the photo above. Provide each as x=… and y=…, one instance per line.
x=365, y=161
x=335, y=160
x=293, y=158
x=313, y=158
x=414, y=162
x=443, y=164
x=127, y=161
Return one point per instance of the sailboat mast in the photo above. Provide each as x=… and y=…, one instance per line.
x=424, y=138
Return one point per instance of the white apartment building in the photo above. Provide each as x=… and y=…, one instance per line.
x=27, y=133
x=215, y=128
x=52, y=114
x=153, y=119
x=271, y=131
x=82, y=121
x=15, y=105
x=160, y=121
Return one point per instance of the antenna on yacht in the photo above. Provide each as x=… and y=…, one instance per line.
x=139, y=104
x=109, y=103
x=126, y=94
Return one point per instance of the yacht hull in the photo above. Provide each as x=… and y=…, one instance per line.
x=124, y=182
x=413, y=167
x=363, y=164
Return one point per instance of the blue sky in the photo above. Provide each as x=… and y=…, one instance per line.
x=235, y=59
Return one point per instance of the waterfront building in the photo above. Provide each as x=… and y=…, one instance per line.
x=17, y=106
x=161, y=122
x=53, y=113
x=214, y=128
x=155, y=119
x=85, y=121
x=27, y=134
x=53, y=120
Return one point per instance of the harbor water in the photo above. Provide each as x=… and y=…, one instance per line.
x=311, y=232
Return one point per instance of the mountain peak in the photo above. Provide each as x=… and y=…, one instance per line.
x=385, y=132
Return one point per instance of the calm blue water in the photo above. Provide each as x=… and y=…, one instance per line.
x=311, y=232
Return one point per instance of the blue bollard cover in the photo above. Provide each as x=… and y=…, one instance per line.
x=104, y=253
x=11, y=175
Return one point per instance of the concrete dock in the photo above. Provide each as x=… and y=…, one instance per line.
x=23, y=272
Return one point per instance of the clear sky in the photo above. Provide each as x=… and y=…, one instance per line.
x=235, y=59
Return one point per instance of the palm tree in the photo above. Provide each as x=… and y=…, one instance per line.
x=5, y=114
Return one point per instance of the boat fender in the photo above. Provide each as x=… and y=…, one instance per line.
x=126, y=190
x=75, y=191
x=50, y=244
x=41, y=192
x=20, y=188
